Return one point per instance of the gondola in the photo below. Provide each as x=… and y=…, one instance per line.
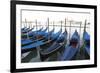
x=86, y=39
x=32, y=33
x=35, y=44
x=29, y=41
x=56, y=46
x=71, y=49
x=37, y=38
x=41, y=42
x=26, y=30
x=29, y=33
x=85, y=48
x=40, y=34
x=56, y=35
x=49, y=40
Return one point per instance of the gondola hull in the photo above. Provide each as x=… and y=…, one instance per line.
x=53, y=48
x=71, y=49
x=86, y=39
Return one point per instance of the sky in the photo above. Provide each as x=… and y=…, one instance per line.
x=29, y=18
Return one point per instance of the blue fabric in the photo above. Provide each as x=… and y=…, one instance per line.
x=33, y=45
x=32, y=33
x=56, y=44
x=62, y=37
x=56, y=35
x=42, y=32
x=52, y=48
x=68, y=53
x=75, y=36
x=86, y=36
x=26, y=41
x=48, y=34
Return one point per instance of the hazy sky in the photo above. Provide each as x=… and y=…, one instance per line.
x=56, y=17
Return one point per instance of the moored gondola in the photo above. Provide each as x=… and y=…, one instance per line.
x=32, y=33
x=34, y=44
x=56, y=46
x=86, y=40
x=24, y=28
x=27, y=30
x=71, y=49
x=29, y=41
x=29, y=34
